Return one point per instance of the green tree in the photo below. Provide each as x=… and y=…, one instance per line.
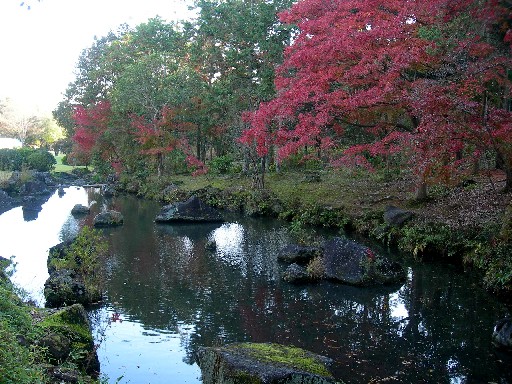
x=236, y=45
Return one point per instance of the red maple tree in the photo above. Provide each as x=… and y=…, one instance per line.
x=381, y=77
x=91, y=124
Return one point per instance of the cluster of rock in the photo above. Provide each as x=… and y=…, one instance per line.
x=66, y=337
x=340, y=260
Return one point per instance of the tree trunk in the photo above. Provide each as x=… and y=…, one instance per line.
x=421, y=191
x=508, y=180
x=263, y=168
x=160, y=164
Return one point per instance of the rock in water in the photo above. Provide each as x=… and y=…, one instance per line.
x=263, y=363
x=352, y=263
x=296, y=274
x=80, y=209
x=300, y=254
x=67, y=335
x=192, y=210
x=6, y=202
x=108, y=219
x=502, y=334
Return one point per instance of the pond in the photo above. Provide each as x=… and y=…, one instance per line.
x=166, y=296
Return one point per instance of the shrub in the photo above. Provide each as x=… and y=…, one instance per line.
x=13, y=159
x=316, y=267
x=221, y=165
x=495, y=261
x=41, y=160
x=16, y=360
x=17, y=159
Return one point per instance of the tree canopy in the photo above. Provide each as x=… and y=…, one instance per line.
x=423, y=84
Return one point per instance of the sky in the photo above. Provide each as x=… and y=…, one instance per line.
x=39, y=48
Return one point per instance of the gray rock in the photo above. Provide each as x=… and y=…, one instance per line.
x=34, y=187
x=301, y=254
x=80, y=209
x=192, y=210
x=296, y=274
x=351, y=263
x=502, y=334
x=108, y=219
x=396, y=217
x=262, y=363
x=63, y=288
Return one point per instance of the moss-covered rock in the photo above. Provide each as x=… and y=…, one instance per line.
x=64, y=287
x=297, y=274
x=255, y=363
x=300, y=254
x=67, y=338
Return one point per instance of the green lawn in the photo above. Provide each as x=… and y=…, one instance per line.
x=59, y=167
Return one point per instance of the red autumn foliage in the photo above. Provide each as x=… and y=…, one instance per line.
x=91, y=123
x=411, y=76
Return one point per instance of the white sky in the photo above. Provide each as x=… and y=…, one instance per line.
x=39, y=48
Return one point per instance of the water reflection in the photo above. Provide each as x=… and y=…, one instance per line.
x=128, y=345
x=28, y=234
x=167, y=296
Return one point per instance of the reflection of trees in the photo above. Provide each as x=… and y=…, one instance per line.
x=163, y=277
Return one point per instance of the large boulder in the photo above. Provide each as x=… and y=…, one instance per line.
x=65, y=287
x=301, y=254
x=192, y=210
x=396, y=217
x=502, y=334
x=349, y=262
x=108, y=219
x=264, y=364
x=34, y=187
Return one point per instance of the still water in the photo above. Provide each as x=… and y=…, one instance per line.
x=166, y=296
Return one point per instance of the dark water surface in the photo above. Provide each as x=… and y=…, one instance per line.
x=166, y=296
